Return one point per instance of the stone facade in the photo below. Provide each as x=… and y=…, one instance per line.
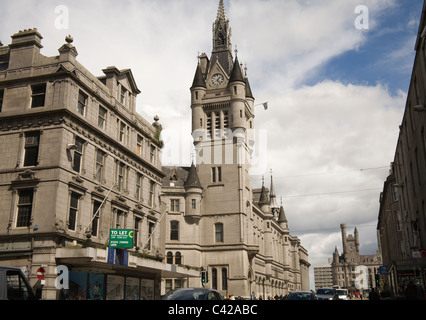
x=215, y=220
x=345, y=267
x=402, y=213
x=77, y=161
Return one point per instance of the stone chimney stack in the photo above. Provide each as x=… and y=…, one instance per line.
x=25, y=46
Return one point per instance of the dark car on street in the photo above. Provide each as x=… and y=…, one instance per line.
x=302, y=295
x=193, y=294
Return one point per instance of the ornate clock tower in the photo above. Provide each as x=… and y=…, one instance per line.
x=236, y=233
x=222, y=121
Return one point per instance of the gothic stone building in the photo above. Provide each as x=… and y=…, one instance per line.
x=215, y=220
x=344, y=266
x=77, y=161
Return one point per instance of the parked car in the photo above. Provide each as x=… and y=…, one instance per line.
x=302, y=295
x=193, y=294
x=342, y=294
x=325, y=294
x=14, y=285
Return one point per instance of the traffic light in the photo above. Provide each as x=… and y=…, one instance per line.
x=377, y=278
x=204, y=277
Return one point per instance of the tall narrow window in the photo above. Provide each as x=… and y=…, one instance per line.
x=219, y=232
x=78, y=154
x=119, y=219
x=178, y=258
x=95, y=217
x=120, y=176
x=1, y=99
x=82, y=103
x=224, y=279
x=217, y=124
x=152, y=154
x=209, y=125
x=136, y=232
x=123, y=95
x=73, y=213
x=174, y=230
x=139, y=145
x=150, y=232
x=151, y=193
x=25, y=204
x=32, y=141
x=169, y=257
x=216, y=174
x=102, y=117
x=122, y=132
x=138, y=190
x=100, y=161
x=214, y=278
x=38, y=95
x=226, y=120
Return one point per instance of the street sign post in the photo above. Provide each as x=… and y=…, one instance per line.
x=121, y=238
x=41, y=273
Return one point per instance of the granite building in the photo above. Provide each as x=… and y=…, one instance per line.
x=76, y=161
x=402, y=214
x=215, y=220
x=346, y=266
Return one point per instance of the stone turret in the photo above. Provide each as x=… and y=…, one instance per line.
x=193, y=194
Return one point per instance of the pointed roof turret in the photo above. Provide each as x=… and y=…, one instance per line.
x=272, y=196
x=198, y=78
x=192, y=181
x=236, y=74
x=263, y=196
x=282, y=217
x=249, y=93
x=221, y=14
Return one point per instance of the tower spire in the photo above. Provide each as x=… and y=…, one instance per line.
x=272, y=195
x=221, y=14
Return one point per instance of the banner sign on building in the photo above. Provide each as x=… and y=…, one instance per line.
x=121, y=239
x=118, y=256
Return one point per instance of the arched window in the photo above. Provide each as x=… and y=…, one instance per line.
x=214, y=278
x=169, y=258
x=174, y=230
x=224, y=279
x=178, y=258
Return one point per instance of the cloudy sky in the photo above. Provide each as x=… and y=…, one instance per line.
x=336, y=86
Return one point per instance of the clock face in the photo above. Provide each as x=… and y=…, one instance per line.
x=217, y=79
